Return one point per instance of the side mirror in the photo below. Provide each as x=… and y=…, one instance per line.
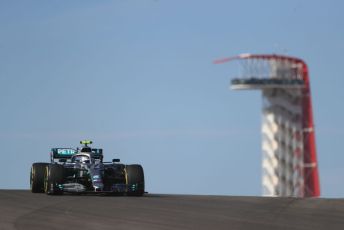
x=115, y=160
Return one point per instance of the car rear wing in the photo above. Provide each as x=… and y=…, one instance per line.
x=62, y=153
x=67, y=153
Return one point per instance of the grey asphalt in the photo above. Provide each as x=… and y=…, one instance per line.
x=21, y=209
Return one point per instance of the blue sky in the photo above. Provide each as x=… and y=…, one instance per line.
x=137, y=78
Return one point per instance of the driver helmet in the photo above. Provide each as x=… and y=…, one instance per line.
x=86, y=149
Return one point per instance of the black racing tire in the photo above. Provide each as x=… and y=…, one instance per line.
x=53, y=178
x=37, y=177
x=135, y=180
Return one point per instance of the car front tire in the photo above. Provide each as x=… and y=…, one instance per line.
x=53, y=179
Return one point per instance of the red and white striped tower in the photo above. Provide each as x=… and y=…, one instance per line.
x=289, y=161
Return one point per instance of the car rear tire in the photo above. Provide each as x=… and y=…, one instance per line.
x=135, y=180
x=37, y=177
x=53, y=179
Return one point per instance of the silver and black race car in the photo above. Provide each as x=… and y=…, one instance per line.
x=83, y=171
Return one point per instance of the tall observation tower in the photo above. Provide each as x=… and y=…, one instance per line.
x=289, y=163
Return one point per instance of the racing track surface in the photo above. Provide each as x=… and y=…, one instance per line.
x=20, y=209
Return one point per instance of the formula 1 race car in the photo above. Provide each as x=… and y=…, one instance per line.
x=83, y=171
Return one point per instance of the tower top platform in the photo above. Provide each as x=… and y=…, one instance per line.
x=268, y=71
x=266, y=83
